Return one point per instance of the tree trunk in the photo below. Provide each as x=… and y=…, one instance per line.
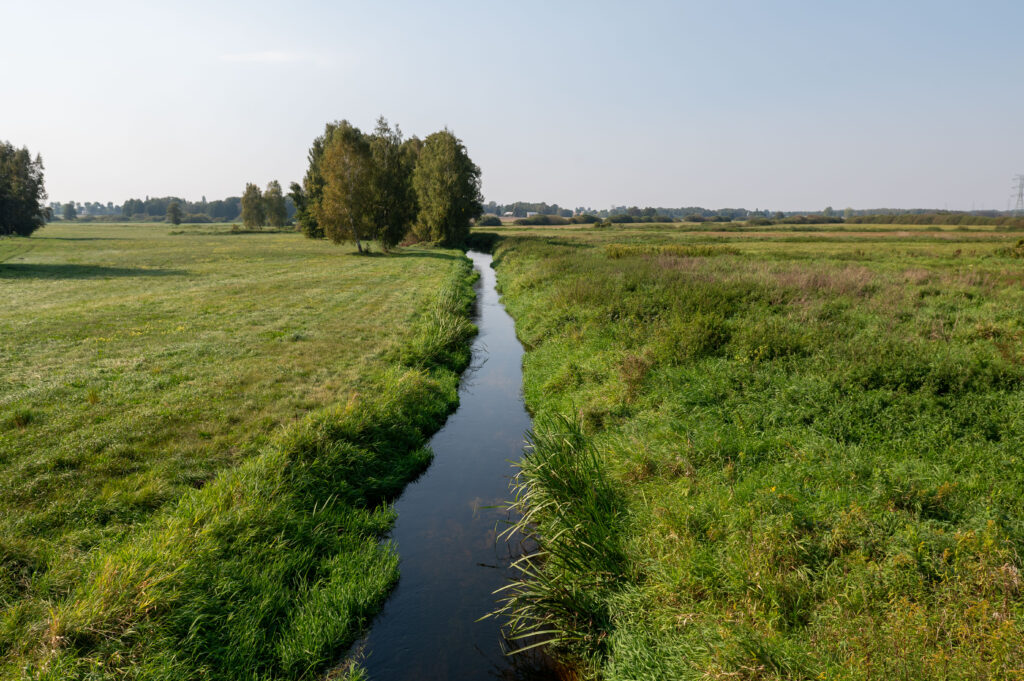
x=355, y=235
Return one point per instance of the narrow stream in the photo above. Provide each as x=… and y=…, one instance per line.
x=448, y=519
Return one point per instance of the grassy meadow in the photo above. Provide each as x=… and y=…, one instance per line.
x=199, y=434
x=772, y=455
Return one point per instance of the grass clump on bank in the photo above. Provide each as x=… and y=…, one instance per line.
x=802, y=460
x=274, y=564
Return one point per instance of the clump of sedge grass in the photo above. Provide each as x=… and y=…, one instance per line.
x=569, y=506
x=20, y=418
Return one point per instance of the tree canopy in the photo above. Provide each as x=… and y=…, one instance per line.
x=447, y=185
x=307, y=196
x=361, y=187
x=174, y=213
x=253, y=215
x=344, y=211
x=392, y=199
x=21, y=191
x=274, y=208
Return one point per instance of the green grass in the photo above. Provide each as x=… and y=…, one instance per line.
x=798, y=459
x=200, y=432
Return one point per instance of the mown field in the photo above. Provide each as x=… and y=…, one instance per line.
x=199, y=434
x=772, y=457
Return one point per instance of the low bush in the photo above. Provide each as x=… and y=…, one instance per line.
x=542, y=220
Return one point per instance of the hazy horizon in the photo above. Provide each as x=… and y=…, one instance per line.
x=790, y=107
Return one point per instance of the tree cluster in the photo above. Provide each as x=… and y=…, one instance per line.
x=378, y=186
x=159, y=209
x=22, y=194
x=264, y=208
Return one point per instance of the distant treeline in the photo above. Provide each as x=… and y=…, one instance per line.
x=521, y=209
x=527, y=213
x=525, y=209
x=154, y=209
x=150, y=208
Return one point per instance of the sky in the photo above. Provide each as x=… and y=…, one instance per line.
x=778, y=105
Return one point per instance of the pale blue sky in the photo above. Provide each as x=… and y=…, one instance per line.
x=782, y=105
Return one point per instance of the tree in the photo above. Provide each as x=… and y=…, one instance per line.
x=447, y=185
x=252, y=207
x=174, y=213
x=303, y=214
x=274, y=209
x=69, y=211
x=828, y=212
x=22, y=195
x=307, y=196
x=392, y=200
x=344, y=210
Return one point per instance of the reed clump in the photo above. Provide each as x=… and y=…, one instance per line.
x=567, y=504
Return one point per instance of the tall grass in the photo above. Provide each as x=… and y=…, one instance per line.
x=798, y=461
x=566, y=503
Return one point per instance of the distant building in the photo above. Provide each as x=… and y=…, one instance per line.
x=531, y=213
x=508, y=214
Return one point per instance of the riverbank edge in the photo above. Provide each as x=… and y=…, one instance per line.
x=570, y=510
x=274, y=567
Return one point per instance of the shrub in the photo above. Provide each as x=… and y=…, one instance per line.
x=1015, y=251
x=542, y=220
x=702, y=335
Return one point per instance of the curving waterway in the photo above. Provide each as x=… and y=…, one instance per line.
x=448, y=519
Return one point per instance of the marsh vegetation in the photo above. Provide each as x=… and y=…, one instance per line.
x=771, y=457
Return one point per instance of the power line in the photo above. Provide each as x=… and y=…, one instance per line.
x=1018, y=190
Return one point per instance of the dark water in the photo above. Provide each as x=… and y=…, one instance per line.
x=446, y=533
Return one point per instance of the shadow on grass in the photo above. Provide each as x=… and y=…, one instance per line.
x=77, y=238
x=411, y=253
x=66, y=271
x=227, y=232
x=424, y=253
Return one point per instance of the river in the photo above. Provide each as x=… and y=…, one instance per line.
x=448, y=521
